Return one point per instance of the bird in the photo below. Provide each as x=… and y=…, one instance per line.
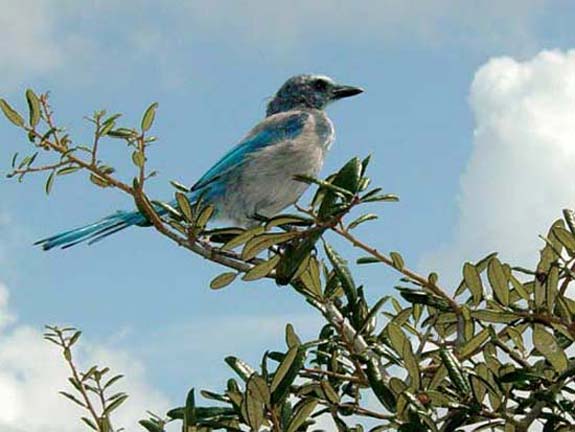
x=255, y=178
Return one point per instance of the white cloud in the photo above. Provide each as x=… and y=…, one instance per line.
x=27, y=43
x=78, y=40
x=32, y=372
x=521, y=171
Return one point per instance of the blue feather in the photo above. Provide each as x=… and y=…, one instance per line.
x=271, y=131
x=93, y=232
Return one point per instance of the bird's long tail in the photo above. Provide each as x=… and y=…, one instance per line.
x=94, y=232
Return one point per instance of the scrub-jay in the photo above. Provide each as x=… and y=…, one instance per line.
x=256, y=177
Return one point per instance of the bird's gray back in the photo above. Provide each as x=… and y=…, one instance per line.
x=264, y=185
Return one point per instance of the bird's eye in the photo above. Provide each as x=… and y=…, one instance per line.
x=320, y=85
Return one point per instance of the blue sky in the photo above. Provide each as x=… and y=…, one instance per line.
x=426, y=117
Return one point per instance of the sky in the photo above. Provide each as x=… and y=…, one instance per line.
x=468, y=113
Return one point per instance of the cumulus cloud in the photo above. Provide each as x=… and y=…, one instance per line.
x=32, y=372
x=520, y=173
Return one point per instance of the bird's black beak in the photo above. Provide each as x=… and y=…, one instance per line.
x=343, y=91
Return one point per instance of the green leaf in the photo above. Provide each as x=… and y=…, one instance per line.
x=441, y=400
x=397, y=260
x=138, y=158
x=258, y=386
x=519, y=375
x=347, y=179
x=284, y=367
x=180, y=187
x=50, y=182
x=289, y=220
x=68, y=170
x=244, y=370
x=252, y=406
x=379, y=387
x=72, y=398
x=301, y=414
x=498, y=281
x=412, y=367
x=551, y=285
x=93, y=426
x=425, y=298
x=204, y=216
x=323, y=185
x=361, y=219
x=311, y=278
x=123, y=133
x=473, y=281
x=294, y=258
x=519, y=287
x=547, y=345
x=494, y=316
x=74, y=338
x=365, y=163
x=184, y=206
x=343, y=274
x=455, y=371
x=99, y=181
x=349, y=176
x=292, y=339
x=148, y=118
x=223, y=280
x=106, y=128
x=149, y=425
x=262, y=269
x=112, y=380
x=566, y=238
x=11, y=114
x=243, y=237
x=168, y=208
x=368, y=260
x=402, y=346
x=371, y=315
x=264, y=241
x=190, y=416
x=286, y=373
x=34, y=107
x=473, y=344
x=382, y=197
x=397, y=338
x=329, y=392
x=115, y=404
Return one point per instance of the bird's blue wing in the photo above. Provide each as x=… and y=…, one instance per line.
x=271, y=131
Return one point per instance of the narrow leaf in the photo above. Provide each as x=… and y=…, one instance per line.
x=34, y=107
x=301, y=415
x=11, y=114
x=498, y=281
x=261, y=270
x=547, y=345
x=473, y=281
x=50, y=182
x=148, y=118
x=223, y=280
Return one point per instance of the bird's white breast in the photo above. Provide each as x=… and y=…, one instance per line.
x=266, y=185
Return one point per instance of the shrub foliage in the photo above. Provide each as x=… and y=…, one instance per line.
x=494, y=353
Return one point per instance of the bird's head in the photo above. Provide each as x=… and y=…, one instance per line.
x=309, y=91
